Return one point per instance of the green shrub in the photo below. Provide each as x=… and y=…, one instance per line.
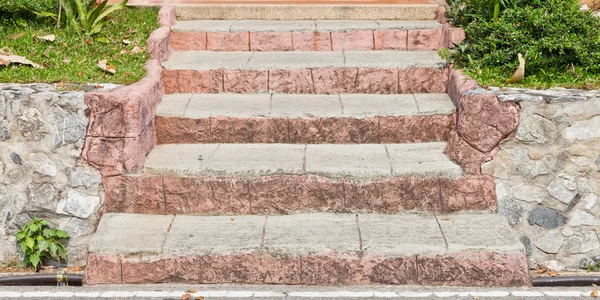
x=38, y=241
x=23, y=7
x=554, y=36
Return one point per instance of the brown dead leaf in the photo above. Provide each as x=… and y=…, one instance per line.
x=594, y=293
x=552, y=273
x=200, y=298
x=66, y=60
x=137, y=49
x=445, y=219
x=15, y=36
x=124, y=51
x=103, y=64
x=126, y=42
x=542, y=271
x=64, y=44
x=186, y=296
x=6, y=51
x=49, y=38
x=191, y=291
x=15, y=59
x=88, y=41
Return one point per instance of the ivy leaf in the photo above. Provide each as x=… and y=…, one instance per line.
x=62, y=253
x=35, y=259
x=34, y=227
x=47, y=232
x=42, y=245
x=53, y=248
x=20, y=235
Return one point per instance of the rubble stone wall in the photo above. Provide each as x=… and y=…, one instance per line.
x=42, y=174
x=547, y=175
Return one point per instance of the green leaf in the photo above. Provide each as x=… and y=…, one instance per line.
x=29, y=242
x=42, y=245
x=20, y=235
x=53, y=248
x=96, y=12
x=47, y=232
x=62, y=234
x=109, y=10
x=62, y=253
x=35, y=259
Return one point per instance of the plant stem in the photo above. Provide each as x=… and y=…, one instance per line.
x=60, y=4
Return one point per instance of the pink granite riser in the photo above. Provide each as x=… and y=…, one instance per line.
x=282, y=194
x=392, y=129
x=389, y=39
x=460, y=268
x=308, y=81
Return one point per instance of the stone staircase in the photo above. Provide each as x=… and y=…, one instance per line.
x=304, y=152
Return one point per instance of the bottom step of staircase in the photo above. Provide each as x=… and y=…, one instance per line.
x=312, y=248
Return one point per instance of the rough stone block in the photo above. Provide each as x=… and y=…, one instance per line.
x=271, y=41
x=147, y=270
x=312, y=41
x=334, y=81
x=424, y=39
x=415, y=129
x=103, y=269
x=174, y=130
x=377, y=81
x=468, y=193
x=291, y=81
x=333, y=130
x=193, y=81
x=245, y=81
x=422, y=80
x=228, y=41
x=352, y=40
x=469, y=158
x=206, y=195
x=249, y=130
x=391, y=39
x=134, y=194
x=190, y=40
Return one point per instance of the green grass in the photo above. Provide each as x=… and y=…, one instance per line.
x=577, y=79
x=73, y=59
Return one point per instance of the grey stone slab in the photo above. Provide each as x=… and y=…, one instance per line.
x=401, y=234
x=422, y=159
x=173, y=105
x=345, y=25
x=363, y=160
x=313, y=233
x=228, y=105
x=408, y=25
x=393, y=59
x=257, y=159
x=291, y=105
x=206, y=60
x=295, y=60
x=203, y=25
x=179, y=159
x=274, y=25
x=474, y=232
x=130, y=234
x=434, y=104
x=368, y=105
x=214, y=235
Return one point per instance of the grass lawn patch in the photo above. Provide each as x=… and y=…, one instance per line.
x=72, y=58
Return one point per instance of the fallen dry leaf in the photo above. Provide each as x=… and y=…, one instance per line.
x=191, y=291
x=15, y=36
x=124, y=51
x=66, y=60
x=50, y=37
x=594, y=293
x=445, y=219
x=88, y=41
x=102, y=64
x=200, y=298
x=6, y=51
x=552, y=273
x=15, y=59
x=186, y=296
x=137, y=49
x=126, y=42
x=542, y=271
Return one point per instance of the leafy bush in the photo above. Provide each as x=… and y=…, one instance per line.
x=554, y=36
x=464, y=12
x=38, y=242
x=85, y=16
x=25, y=7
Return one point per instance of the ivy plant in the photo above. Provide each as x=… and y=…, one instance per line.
x=38, y=241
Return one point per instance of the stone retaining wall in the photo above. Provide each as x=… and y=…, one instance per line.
x=548, y=174
x=41, y=172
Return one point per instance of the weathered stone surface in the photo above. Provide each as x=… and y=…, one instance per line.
x=527, y=244
x=583, y=130
x=551, y=242
x=103, y=269
x=529, y=193
x=4, y=130
x=546, y=217
x=84, y=176
x=228, y=41
x=352, y=40
x=391, y=39
x=582, y=242
x=181, y=41
x=77, y=228
x=536, y=128
x=42, y=164
x=271, y=41
x=511, y=209
x=69, y=127
x=42, y=195
x=312, y=41
x=463, y=154
x=529, y=168
x=78, y=205
x=590, y=201
x=424, y=39
x=31, y=125
x=581, y=218
x=563, y=188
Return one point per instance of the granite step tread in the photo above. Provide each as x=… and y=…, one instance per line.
x=329, y=160
x=301, y=25
x=315, y=248
x=298, y=106
x=213, y=60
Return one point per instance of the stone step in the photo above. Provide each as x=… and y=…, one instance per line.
x=282, y=10
x=308, y=35
x=314, y=248
x=299, y=119
x=362, y=72
x=283, y=178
